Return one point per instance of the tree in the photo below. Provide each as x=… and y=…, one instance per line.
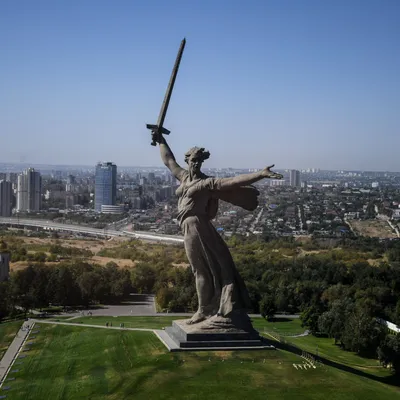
x=5, y=299
x=332, y=322
x=389, y=353
x=143, y=278
x=22, y=287
x=164, y=296
x=362, y=333
x=309, y=316
x=66, y=291
x=88, y=283
x=38, y=287
x=397, y=312
x=267, y=306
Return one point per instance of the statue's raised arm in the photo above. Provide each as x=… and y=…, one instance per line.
x=168, y=158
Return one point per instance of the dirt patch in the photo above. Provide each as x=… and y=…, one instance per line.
x=373, y=228
x=308, y=252
x=181, y=265
x=94, y=245
x=122, y=263
x=223, y=354
x=19, y=265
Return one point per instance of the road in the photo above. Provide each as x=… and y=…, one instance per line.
x=137, y=305
x=86, y=230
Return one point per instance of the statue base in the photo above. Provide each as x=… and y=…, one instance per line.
x=215, y=333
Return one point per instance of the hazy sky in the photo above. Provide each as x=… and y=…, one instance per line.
x=297, y=83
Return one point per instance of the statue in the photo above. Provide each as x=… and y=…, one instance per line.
x=220, y=289
x=222, y=294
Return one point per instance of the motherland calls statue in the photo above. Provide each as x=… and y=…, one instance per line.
x=222, y=294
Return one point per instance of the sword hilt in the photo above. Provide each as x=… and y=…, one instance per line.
x=155, y=131
x=154, y=141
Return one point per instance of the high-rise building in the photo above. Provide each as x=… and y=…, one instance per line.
x=105, y=185
x=294, y=177
x=29, y=191
x=276, y=182
x=71, y=183
x=12, y=177
x=6, y=198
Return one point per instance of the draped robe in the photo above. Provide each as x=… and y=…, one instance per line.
x=220, y=288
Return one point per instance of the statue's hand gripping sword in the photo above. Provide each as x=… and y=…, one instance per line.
x=159, y=128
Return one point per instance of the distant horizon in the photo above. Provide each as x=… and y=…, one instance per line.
x=35, y=165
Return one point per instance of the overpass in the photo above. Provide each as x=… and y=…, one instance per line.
x=86, y=230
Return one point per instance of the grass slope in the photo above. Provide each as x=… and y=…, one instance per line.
x=325, y=347
x=86, y=363
x=282, y=326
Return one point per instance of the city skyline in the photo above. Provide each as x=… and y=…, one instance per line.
x=19, y=167
x=299, y=85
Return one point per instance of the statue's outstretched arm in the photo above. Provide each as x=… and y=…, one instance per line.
x=168, y=159
x=248, y=179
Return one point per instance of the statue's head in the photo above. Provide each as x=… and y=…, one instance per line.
x=195, y=158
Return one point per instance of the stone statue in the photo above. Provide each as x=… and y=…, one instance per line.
x=222, y=294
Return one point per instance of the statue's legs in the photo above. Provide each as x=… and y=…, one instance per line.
x=200, y=260
x=219, y=287
x=204, y=294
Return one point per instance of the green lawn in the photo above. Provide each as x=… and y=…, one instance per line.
x=7, y=332
x=326, y=348
x=72, y=363
x=281, y=326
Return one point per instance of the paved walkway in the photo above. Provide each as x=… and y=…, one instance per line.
x=75, y=317
x=14, y=348
x=90, y=326
x=305, y=333
x=125, y=311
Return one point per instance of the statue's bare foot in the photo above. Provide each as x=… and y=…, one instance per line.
x=197, y=317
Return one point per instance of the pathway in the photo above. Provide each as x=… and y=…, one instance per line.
x=13, y=350
x=90, y=326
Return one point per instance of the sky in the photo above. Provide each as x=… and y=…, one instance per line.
x=298, y=84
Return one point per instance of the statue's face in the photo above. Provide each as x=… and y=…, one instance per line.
x=195, y=163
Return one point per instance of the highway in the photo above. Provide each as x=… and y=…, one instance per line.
x=86, y=230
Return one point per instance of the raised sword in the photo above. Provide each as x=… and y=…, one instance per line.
x=159, y=129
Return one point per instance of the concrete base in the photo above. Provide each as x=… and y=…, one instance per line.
x=183, y=337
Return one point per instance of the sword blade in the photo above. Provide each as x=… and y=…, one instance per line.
x=164, y=106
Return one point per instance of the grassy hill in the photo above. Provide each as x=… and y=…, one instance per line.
x=68, y=362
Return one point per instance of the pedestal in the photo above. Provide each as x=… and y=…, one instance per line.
x=181, y=336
